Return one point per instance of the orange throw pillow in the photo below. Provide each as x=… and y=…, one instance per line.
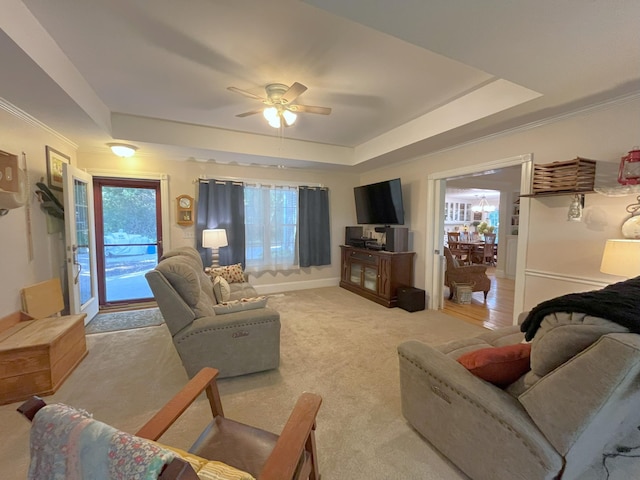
x=499, y=365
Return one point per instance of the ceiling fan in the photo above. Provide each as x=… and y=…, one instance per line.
x=280, y=110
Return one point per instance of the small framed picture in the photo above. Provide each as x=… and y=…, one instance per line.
x=477, y=216
x=55, y=160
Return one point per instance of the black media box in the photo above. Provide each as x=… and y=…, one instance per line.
x=411, y=299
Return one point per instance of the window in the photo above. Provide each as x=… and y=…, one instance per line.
x=271, y=222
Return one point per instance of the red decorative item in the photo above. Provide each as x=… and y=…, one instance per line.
x=629, y=172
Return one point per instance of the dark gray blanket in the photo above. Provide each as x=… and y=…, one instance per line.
x=619, y=303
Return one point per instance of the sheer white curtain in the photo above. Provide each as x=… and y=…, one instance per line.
x=271, y=217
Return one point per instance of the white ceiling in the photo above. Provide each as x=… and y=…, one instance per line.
x=403, y=79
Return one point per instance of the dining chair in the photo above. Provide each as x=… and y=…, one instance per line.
x=453, y=242
x=485, y=253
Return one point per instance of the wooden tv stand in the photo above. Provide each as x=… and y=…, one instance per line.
x=376, y=274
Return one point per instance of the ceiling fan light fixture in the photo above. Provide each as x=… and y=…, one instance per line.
x=289, y=117
x=280, y=110
x=272, y=116
x=277, y=116
x=270, y=113
x=123, y=150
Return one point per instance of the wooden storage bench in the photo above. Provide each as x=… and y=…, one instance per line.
x=36, y=356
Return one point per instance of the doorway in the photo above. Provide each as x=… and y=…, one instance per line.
x=128, y=238
x=436, y=190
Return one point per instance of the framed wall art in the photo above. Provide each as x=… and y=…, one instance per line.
x=55, y=160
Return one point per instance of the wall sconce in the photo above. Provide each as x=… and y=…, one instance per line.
x=123, y=150
x=575, y=208
x=621, y=257
x=214, y=239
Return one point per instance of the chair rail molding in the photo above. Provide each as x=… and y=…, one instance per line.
x=592, y=282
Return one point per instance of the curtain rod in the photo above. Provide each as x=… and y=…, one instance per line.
x=241, y=181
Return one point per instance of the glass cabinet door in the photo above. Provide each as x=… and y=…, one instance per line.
x=371, y=278
x=356, y=273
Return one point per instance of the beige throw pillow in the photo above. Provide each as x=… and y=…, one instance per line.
x=238, y=305
x=231, y=273
x=221, y=289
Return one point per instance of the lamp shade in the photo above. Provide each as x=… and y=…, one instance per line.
x=214, y=238
x=621, y=257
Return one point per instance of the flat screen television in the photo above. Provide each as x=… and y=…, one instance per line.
x=380, y=203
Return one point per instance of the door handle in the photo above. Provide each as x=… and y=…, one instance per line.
x=74, y=255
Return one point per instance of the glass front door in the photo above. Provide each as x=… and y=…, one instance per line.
x=129, y=243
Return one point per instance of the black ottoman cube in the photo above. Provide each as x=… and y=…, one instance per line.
x=411, y=299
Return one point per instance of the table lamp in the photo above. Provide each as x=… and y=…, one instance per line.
x=621, y=257
x=214, y=239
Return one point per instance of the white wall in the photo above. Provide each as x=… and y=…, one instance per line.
x=182, y=180
x=561, y=256
x=17, y=270
x=567, y=253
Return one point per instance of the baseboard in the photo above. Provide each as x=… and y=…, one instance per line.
x=501, y=274
x=291, y=286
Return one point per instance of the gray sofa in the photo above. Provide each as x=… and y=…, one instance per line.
x=236, y=343
x=581, y=394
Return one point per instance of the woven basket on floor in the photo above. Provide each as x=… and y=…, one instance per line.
x=462, y=292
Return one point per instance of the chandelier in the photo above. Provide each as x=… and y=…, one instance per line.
x=483, y=206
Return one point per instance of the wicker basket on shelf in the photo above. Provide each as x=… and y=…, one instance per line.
x=576, y=175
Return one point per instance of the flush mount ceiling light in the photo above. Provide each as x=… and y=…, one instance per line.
x=123, y=150
x=483, y=206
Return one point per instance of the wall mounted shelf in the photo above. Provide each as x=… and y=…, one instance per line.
x=555, y=194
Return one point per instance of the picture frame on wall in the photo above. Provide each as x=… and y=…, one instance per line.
x=55, y=160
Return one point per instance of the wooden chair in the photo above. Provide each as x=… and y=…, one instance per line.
x=453, y=243
x=486, y=253
x=289, y=456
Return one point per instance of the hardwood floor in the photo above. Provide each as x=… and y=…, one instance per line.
x=497, y=312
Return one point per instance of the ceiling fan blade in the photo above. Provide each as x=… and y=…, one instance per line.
x=252, y=112
x=294, y=91
x=310, y=109
x=245, y=93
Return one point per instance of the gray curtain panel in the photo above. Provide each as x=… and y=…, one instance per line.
x=313, y=226
x=221, y=205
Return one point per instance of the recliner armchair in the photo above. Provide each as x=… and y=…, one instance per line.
x=236, y=343
x=583, y=392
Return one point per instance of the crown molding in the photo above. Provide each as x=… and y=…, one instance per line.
x=25, y=117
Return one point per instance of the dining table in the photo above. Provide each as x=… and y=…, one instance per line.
x=468, y=247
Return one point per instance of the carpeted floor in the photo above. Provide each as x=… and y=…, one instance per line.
x=112, y=321
x=333, y=342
